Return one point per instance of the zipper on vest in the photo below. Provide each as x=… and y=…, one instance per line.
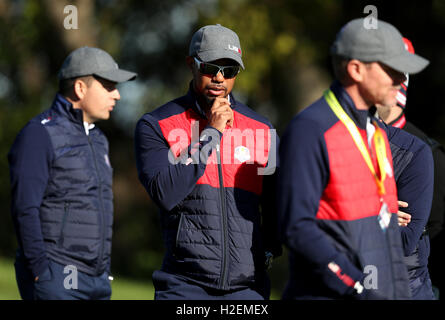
x=66, y=208
x=181, y=219
x=222, y=194
x=101, y=214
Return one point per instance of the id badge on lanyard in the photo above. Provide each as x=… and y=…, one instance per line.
x=384, y=216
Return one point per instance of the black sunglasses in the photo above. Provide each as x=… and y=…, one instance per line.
x=228, y=72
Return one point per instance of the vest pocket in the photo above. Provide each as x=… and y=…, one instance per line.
x=66, y=210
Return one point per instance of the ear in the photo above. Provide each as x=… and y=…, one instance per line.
x=80, y=88
x=356, y=70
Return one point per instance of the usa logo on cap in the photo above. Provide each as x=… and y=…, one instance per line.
x=234, y=48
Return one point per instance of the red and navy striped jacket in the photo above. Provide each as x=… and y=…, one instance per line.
x=329, y=207
x=209, y=191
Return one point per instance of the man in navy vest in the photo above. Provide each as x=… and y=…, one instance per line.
x=61, y=179
x=416, y=177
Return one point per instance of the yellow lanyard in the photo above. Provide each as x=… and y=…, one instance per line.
x=379, y=140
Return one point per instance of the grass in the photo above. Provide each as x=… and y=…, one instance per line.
x=123, y=289
x=8, y=285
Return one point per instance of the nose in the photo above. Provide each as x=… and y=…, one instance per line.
x=218, y=77
x=116, y=94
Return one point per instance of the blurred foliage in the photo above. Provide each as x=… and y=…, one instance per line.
x=285, y=47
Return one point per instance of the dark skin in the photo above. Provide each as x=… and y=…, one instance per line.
x=212, y=93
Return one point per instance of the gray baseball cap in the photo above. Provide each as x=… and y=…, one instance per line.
x=384, y=44
x=215, y=42
x=86, y=61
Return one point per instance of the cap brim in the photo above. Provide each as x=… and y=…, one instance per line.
x=212, y=55
x=407, y=63
x=117, y=75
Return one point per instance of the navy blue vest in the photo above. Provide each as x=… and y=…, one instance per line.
x=77, y=209
x=417, y=261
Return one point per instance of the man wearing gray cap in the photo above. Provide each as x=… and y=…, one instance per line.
x=61, y=179
x=200, y=158
x=338, y=197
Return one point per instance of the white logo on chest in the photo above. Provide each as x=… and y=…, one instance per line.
x=242, y=153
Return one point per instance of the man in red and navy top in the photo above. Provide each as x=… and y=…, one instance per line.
x=208, y=161
x=336, y=193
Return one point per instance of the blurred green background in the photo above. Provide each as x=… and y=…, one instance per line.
x=285, y=47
